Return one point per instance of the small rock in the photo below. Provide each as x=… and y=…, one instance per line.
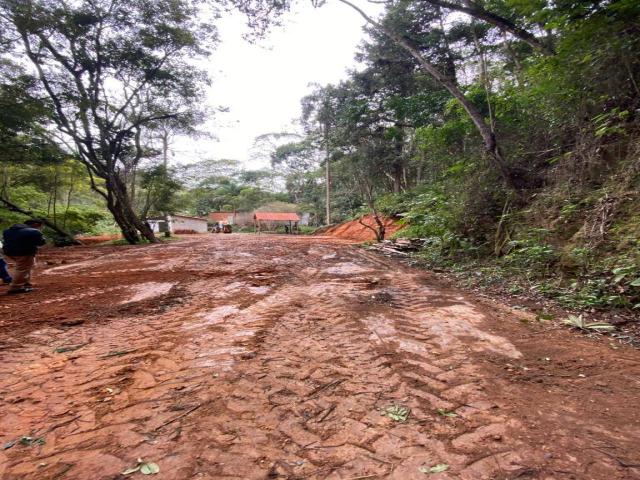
x=72, y=323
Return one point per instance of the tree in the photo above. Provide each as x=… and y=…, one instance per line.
x=159, y=190
x=111, y=69
x=25, y=143
x=21, y=117
x=318, y=116
x=476, y=10
x=211, y=185
x=295, y=161
x=485, y=130
x=444, y=78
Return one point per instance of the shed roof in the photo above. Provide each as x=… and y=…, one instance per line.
x=189, y=217
x=276, y=217
x=219, y=216
x=162, y=219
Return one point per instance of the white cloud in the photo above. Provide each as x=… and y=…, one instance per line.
x=262, y=83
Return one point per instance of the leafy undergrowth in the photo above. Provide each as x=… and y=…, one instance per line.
x=573, y=241
x=569, y=249
x=600, y=288
x=548, y=298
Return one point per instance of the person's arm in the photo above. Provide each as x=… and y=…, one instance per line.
x=34, y=237
x=41, y=240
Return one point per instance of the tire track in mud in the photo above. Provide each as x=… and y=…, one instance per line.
x=160, y=368
x=326, y=420
x=428, y=332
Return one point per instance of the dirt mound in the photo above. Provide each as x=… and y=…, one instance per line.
x=354, y=230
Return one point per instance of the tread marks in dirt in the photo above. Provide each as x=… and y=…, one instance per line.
x=326, y=419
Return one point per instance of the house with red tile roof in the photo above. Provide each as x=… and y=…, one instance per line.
x=270, y=220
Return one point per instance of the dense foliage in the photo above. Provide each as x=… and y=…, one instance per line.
x=114, y=74
x=563, y=110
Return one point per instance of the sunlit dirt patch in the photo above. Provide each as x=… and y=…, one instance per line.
x=145, y=291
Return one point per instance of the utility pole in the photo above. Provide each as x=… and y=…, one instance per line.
x=327, y=175
x=165, y=162
x=165, y=147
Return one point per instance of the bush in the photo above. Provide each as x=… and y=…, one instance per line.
x=307, y=229
x=531, y=254
x=82, y=220
x=244, y=229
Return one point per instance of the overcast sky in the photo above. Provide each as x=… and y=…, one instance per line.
x=262, y=83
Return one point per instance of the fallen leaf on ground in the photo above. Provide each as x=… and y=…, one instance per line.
x=439, y=468
x=579, y=322
x=149, y=468
x=445, y=413
x=29, y=441
x=70, y=348
x=131, y=470
x=117, y=353
x=397, y=413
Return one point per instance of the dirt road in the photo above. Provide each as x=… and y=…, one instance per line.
x=243, y=357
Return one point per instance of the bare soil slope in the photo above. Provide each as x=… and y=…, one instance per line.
x=354, y=230
x=263, y=357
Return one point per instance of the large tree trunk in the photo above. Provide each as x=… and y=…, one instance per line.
x=125, y=216
x=398, y=164
x=128, y=230
x=398, y=171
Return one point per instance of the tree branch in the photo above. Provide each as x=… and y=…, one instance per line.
x=477, y=11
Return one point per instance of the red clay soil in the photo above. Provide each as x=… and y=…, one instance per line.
x=272, y=357
x=354, y=230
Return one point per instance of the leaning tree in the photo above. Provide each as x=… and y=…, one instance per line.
x=112, y=69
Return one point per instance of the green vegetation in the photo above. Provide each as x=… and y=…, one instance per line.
x=222, y=185
x=552, y=208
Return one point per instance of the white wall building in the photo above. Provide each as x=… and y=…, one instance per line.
x=178, y=223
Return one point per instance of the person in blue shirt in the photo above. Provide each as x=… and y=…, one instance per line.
x=20, y=245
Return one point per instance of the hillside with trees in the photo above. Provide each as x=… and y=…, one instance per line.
x=506, y=137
